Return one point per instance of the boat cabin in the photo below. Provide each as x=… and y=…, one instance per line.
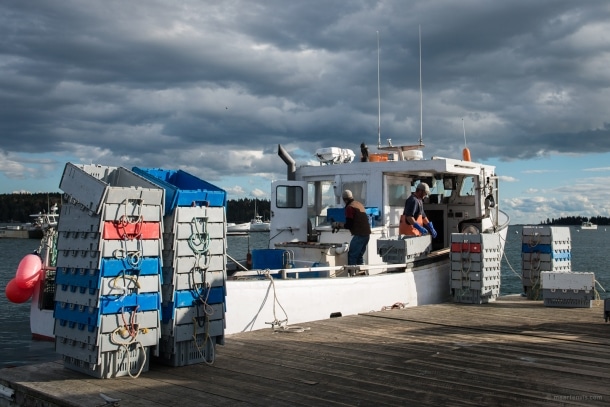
x=462, y=199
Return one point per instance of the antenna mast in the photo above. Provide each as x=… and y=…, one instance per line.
x=378, y=98
x=421, y=100
x=464, y=128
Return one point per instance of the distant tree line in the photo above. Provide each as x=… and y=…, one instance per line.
x=17, y=208
x=243, y=210
x=577, y=220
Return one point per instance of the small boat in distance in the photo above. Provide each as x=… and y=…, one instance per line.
x=588, y=226
x=238, y=227
x=258, y=225
x=14, y=232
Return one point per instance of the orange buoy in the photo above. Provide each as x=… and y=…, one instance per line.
x=466, y=154
x=16, y=294
x=28, y=271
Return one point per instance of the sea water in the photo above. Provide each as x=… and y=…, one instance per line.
x=17, y=348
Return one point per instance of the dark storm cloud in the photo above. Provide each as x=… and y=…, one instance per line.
x=160, y=83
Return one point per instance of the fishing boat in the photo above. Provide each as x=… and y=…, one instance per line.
x=305, y=267
x=587, y=225
x=42, y=221
x=304, y=274
x=306, y=263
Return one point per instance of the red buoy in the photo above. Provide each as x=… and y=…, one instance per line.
x=16, y=294
x=28, y=271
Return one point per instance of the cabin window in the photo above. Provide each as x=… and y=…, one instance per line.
x=320, y=195
x=358, y=190
x=468, y=186
x=398, y=192
x=287, y=196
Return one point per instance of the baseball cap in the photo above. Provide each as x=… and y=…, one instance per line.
x=424, y=186
x=347, y=194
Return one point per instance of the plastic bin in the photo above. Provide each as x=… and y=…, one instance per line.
x=338, y=214
x=268, y=259
x=91, y=186
x=183, y=189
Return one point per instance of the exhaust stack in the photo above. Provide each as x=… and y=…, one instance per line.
x=290, y=163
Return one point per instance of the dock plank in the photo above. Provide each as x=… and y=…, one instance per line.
x=512, y=351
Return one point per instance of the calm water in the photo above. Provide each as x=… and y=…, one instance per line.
x=17, y=348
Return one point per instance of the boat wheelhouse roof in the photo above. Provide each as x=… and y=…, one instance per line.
x=435, y=165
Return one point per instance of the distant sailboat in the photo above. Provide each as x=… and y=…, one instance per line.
x=257, y=224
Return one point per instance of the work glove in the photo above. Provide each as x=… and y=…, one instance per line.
x=430, y=227
x=420, y=228
x=336, y=226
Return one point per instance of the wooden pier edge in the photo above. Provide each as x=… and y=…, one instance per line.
x=509, y=352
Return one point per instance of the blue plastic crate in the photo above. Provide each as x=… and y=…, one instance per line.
x=114, y=304
x=76, y=315
x=78, y=277
x=546, y=249
x=268, y=259
x=189, y=298
x=183, y=189
x=115, y=267
x=540, y=248
x=338, y=214
x=335, y=215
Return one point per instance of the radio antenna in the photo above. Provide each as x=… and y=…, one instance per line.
x=378, y=98
x=421, y=99
x=464, y=128
x=465, y=151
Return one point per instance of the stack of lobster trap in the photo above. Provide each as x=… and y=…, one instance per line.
x=475, y=267
x=194, y=267
x=547, y=269
x=107, y=296
x=140, y=275
x=543, y=249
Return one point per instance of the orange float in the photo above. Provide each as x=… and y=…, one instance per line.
x=466, y=154
x=28, y=271
x=16, y=294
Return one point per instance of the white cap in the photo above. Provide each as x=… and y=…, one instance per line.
x=347, y=194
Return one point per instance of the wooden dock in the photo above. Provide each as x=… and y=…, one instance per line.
x=508, y=353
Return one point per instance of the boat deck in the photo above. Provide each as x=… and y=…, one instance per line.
x=510, y=352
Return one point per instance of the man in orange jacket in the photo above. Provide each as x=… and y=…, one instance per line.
x=414, y=214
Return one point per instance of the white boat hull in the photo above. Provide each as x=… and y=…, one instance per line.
x=42, y=322
x=254, y=304
x=240, y=227
x=260, y=227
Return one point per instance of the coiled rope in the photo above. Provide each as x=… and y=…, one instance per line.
x=126, y=335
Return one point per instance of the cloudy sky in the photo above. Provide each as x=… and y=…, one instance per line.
x=212, y=87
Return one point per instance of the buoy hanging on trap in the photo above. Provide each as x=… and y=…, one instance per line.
x=28, y=271
x=16, y=294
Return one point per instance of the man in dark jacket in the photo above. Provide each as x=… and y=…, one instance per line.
x=357, y=221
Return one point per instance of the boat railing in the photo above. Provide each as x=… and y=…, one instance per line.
x=507, y=221
x=321, y=271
